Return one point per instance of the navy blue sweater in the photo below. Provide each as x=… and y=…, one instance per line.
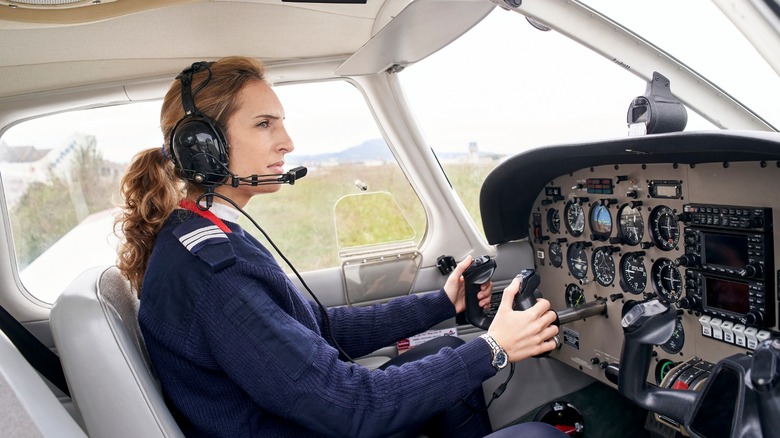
x=239, y=351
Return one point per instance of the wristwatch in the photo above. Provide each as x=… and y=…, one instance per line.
x=500, y=358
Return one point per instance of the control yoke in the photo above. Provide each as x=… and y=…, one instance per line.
x=480, y=272
x=647, y=324
x=741, y=396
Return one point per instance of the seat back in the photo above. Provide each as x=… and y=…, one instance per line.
x=28, y=407
x=95, y=328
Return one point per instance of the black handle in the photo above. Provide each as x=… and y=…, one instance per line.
x=478, y=273
x=528, y=294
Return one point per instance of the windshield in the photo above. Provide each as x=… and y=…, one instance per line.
x=698, y=34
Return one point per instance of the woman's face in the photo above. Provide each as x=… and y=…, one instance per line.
x=258, y=140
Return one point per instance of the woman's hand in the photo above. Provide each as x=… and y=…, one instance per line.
x=455, y=287
x=523, y=334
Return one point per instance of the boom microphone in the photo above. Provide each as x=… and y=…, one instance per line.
x=288, y=177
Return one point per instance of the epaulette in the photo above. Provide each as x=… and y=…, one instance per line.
x=206, y=240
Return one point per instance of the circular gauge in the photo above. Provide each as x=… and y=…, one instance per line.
x=662, y=369
x=600, y=222
x=603, y=265
x=663, y=228
x=632, y=226
x=575, y=218
x=633, y=275
x=577, y=259
x=556, y=254
x=675, y=344
x=575, y=296
x=667, y=281
x=554, y=220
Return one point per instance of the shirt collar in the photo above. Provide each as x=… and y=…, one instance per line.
x=225, y=212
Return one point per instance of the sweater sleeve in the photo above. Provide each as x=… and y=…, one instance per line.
x=361, y=330
x=292, y=372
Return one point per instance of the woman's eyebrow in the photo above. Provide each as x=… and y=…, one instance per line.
x=268, y=116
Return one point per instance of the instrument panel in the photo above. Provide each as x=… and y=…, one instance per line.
x=696, y=236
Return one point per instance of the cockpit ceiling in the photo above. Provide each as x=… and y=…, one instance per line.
x=48, y=13
x=74, y=46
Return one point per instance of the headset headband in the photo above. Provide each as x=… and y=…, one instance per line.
x=187, y=95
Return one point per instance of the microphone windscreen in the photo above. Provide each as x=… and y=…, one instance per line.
x=299, y=172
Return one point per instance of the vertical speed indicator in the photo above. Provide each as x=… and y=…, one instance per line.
x=633, y=274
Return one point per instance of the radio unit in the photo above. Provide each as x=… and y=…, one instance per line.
x=728, y=217
x=729, y=257
x=739, y=300
x=746, y=255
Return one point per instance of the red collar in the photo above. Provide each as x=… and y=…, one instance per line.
x=191, y=206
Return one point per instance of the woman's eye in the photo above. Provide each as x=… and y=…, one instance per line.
x=263, y=124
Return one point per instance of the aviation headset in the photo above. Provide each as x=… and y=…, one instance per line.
x=198, y=146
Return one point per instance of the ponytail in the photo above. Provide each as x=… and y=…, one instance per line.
x=150, y=192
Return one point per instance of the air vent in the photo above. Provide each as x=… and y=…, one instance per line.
x=52, y=4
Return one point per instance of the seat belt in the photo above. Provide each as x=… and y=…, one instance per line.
x=37, y=354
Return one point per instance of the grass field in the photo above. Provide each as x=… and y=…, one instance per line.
x=302, y=219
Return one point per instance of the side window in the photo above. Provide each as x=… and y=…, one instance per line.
x=337, y=139
x=60, y=175
x=497, y=91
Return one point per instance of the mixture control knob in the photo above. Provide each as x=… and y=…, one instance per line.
x=688, y=260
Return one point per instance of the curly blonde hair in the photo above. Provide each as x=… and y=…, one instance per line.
x=151, y=188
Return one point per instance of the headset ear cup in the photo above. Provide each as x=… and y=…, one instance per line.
x=199, y=150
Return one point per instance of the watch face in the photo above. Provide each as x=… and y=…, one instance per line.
x=501, y=360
